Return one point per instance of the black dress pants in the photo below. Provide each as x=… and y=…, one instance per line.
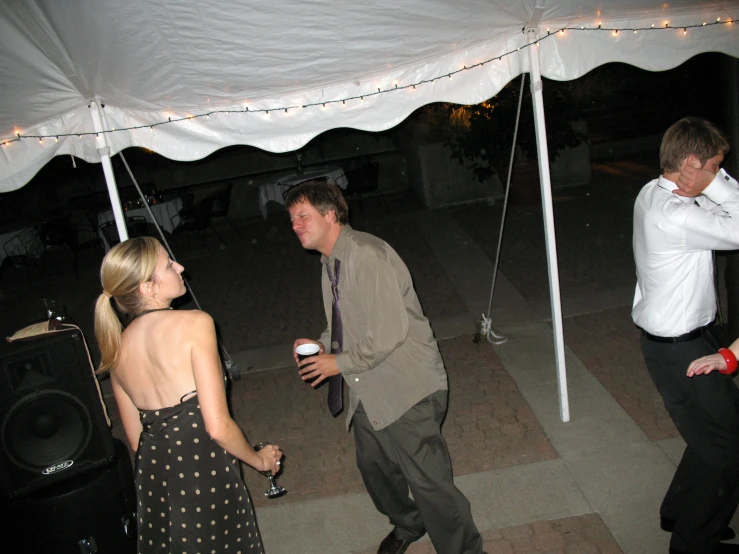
x=704, y=492
x=410, y=453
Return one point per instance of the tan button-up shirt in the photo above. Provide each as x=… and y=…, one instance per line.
x=390, y=360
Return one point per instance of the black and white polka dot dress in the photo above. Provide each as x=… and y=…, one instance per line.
x=191, y=499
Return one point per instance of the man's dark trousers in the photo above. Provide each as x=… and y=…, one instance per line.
x=411, y=453
x=704, y=492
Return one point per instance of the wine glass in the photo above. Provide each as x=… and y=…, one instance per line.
x=274, y=490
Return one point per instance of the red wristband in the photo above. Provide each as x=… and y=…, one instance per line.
x=731, y=362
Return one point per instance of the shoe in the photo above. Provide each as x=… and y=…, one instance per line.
x=668, y=525
x=394, y=545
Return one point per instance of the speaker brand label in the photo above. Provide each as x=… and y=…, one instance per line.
x=58, y=467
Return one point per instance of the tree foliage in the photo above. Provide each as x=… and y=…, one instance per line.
x=481, y=135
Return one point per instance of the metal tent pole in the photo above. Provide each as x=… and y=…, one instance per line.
x=104, y=151
x=546, y=201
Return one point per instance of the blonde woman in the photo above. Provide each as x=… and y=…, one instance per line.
x=169, y=387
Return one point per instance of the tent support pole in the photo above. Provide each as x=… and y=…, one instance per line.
x=104, y=151
x=546, y=201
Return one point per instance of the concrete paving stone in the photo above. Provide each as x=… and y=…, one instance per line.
x=673, y=448
x=473, y=278
x=435, y=290
x=594, y=221
x=478, y=385
x=622, y=481
x=608, y=344
x=582, y=534
x=453, y=326
x=319, y=453
x=595, y=417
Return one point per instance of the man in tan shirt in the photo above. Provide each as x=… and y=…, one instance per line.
x=397, y=383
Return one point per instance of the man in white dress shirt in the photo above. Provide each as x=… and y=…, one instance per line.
x=674, y=236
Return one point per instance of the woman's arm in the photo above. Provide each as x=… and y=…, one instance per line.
x=707, y=364
x=206, y=368
x=128, y=412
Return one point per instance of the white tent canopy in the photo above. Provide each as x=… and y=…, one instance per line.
x=148, y=61
x=187, y=77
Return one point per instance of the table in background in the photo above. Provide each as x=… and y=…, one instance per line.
x=9, y=237
x=163, y=212
x=275, y=191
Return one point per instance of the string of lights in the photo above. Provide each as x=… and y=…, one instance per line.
x=360, y=97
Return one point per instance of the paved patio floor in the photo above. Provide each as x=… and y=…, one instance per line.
x=536, y=484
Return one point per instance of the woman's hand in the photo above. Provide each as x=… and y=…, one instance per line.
x=706, y=364
x=269, y=458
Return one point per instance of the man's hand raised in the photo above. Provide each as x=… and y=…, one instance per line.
x=692, y=181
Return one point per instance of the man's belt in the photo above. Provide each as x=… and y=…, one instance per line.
x=692, y=335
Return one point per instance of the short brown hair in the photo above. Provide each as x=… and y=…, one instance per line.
x=691, y=135
x=323, y=196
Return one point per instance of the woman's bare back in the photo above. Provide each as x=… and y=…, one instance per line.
x=155, y=364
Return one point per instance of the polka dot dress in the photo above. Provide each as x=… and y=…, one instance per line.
x=191, y=499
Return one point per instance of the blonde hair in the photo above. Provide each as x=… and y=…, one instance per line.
x=124, y=268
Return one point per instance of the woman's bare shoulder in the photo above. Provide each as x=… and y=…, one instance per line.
x=189, y=325
x=197, y=318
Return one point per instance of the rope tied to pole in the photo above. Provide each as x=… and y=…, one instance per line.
x=485, y=325
x=227, y=360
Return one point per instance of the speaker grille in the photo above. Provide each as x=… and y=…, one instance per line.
x=46, y=428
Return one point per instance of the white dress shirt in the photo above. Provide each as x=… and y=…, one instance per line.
x=673, y=241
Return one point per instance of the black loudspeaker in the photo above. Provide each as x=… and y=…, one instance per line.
x=53, y=423
x=87, y=514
